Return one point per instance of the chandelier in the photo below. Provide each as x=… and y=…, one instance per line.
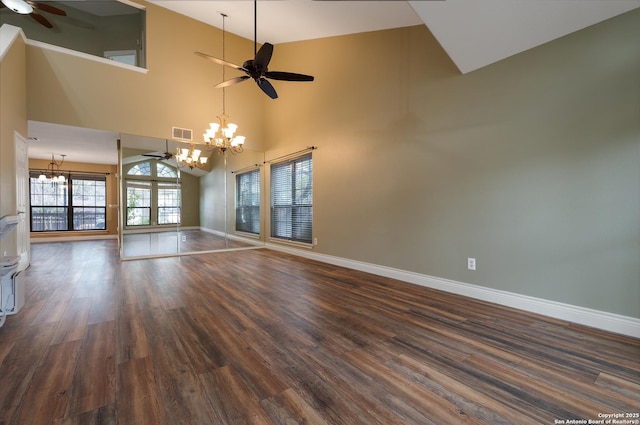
x=190, y=157
x=53, y=173
x=221, y=135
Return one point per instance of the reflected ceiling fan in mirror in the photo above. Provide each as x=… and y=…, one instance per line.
x=257, y=68
x=31, y=8
x=165, y=156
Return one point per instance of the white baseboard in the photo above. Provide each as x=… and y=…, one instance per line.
x=611, y=322
x=246, y=239
x=73, y=238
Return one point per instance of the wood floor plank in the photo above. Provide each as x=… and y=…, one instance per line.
x=91, y=391
x=48, y=395
x=131, y=338
x=262, y=337
x=73, y=325
x=477, y=403
x=105, y=415
x=622, y=389
x=332, y=404
x=137, y=399
x=289, y=407
x=202, y=352
x=18, y=368
x=232, y=400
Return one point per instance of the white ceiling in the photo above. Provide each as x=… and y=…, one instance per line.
x=474, y=34
x=78, y=144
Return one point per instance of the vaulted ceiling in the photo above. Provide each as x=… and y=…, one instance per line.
x=473, y=33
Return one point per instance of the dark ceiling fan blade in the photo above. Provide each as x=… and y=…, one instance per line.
x=263, y=57
x=287, y=76
x=47, y=8
x=41, y=19
x=231, y=82
x=220, y=61
x=266, y=87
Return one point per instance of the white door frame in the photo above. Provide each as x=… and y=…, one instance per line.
x=23, y=229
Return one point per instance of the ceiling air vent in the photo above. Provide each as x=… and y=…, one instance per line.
x=182, y=133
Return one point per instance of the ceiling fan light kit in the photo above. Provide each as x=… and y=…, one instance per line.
x=28, y=7
x=18, y=6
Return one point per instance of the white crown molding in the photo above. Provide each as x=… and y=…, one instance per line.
x=610, y=322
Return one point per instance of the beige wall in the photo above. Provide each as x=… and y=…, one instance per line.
x=177, y=90
x=112, y=196
x=530, y=165
x=13, y=119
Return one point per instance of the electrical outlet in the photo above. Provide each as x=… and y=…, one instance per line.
x=315, y=241
x=471, y=263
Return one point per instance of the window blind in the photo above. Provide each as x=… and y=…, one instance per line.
x=292, y=199
x=248, y=202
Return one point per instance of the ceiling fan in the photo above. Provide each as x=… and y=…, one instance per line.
x=166, y=155
x=257, y=68
x=29, y=7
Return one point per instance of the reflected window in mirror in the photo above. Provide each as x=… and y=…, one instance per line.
x=166, y=171
x=141, y=169
x=248, y=202
x=153, y=194
x=138, y=203
x=168, y=203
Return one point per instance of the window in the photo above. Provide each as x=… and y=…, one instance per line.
x=165, y=171
x=138, y=203
x=153, y=194
x=248, y=202
x=123, y=56
x=141, y=169
x=88, y=202
x=78, y=204
x=292, y=199
x=168, y=203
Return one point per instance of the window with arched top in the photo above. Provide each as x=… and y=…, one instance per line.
x=163, y=170
x=153, y=194
x=140, y=169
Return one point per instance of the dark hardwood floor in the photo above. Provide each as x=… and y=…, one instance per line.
x=260, y=337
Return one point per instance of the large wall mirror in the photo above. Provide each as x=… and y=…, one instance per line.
x=169, y=208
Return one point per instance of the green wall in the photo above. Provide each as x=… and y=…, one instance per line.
x=530, y=165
